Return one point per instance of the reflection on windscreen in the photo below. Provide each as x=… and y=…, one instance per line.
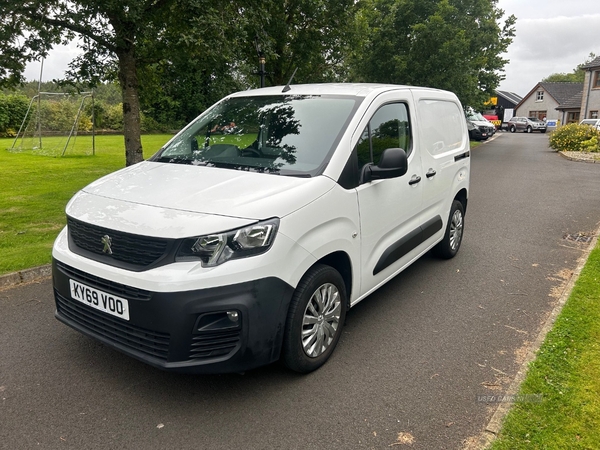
x=477, y=116
x=288, y=135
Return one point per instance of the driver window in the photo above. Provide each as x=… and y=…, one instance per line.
x=388, y=128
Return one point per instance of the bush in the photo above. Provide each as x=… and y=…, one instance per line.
x=575, y=137
x=57, y=114
x=113, y=120
x=12, y=111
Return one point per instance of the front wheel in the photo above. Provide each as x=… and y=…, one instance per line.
x=315, y=319
x=529, y=129
x=512, y=129
x=448, y=247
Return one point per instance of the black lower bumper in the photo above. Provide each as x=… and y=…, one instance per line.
x=183, y=331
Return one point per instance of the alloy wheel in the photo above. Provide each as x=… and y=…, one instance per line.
x=456, y=229
x=321, y=320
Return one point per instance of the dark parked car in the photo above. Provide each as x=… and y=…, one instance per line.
x=478, y=132
x=526, y=124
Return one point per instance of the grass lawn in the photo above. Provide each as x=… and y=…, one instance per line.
x=567, y=374
x=34, y=190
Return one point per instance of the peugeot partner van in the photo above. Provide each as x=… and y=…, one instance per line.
x=249, y=235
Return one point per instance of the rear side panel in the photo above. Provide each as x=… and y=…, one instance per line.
x=445, y=153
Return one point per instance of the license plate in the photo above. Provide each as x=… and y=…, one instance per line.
x=100, y=300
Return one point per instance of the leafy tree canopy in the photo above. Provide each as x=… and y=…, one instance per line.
x=312, y=36
x=447, y=44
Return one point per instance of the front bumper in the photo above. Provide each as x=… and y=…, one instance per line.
x=478, y=134
x=163, y=326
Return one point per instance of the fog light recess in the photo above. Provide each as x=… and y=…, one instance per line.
x=218, y=321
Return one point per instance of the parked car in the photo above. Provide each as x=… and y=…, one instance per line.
x=591, y=122
x=526, y=124
x=229, y=250
x=476, y=132
x=485, y=126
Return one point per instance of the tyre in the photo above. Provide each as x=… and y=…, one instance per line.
x=512, y=129
x=529, y=129
x=315, y=319
x=449, y=245
x=543, y=131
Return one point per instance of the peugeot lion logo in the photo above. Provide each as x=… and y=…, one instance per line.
x=107, y=241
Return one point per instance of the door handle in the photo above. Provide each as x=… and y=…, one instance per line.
x=430, y=173
x=462, y=156
x=414, y=180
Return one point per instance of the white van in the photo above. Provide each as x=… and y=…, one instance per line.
x=248, y=236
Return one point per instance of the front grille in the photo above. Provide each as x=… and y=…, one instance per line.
x=115, y=330
x=215, y=344
x=120, y=290
x=131, y=249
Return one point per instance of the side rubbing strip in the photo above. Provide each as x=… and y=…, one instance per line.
x=431, y=227
x=397, y=250
x=462, y=156
x=409, y=242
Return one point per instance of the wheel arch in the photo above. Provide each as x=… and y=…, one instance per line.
x=461, y=196
x=340, y=261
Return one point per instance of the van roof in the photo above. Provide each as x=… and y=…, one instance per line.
x=353, y=89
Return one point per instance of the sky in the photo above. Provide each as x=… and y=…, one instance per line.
x=552, y=36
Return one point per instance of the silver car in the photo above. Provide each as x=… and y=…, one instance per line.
x=526, y=124
x=595, y=123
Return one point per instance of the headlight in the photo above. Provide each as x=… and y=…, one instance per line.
x=215, y=249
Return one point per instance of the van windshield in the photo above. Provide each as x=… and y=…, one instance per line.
x=286, y=134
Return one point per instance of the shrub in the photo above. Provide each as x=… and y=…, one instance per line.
x=113, y=120
x=575, y=137
x=9, y=132
x=12, y=111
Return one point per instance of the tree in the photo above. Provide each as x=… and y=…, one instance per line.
x=446, y=44
x=577, y=76
x=310, y=35
x=120, y=39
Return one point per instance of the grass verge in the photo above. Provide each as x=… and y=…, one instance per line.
x=34, y=190
x=566, y=372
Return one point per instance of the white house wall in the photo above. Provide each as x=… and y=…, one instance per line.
x=548, y=104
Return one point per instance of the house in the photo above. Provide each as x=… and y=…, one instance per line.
x=553, y=102
x=590, y=102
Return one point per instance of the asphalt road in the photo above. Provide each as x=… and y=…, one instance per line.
x=412, y=360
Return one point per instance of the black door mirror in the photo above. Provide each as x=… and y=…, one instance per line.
x=393, y=164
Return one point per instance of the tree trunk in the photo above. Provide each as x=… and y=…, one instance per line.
x=131, y=107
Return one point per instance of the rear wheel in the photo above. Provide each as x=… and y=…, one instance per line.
x=315, y=319
x=448, y=247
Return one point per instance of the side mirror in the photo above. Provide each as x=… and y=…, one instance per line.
x=393, y=164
